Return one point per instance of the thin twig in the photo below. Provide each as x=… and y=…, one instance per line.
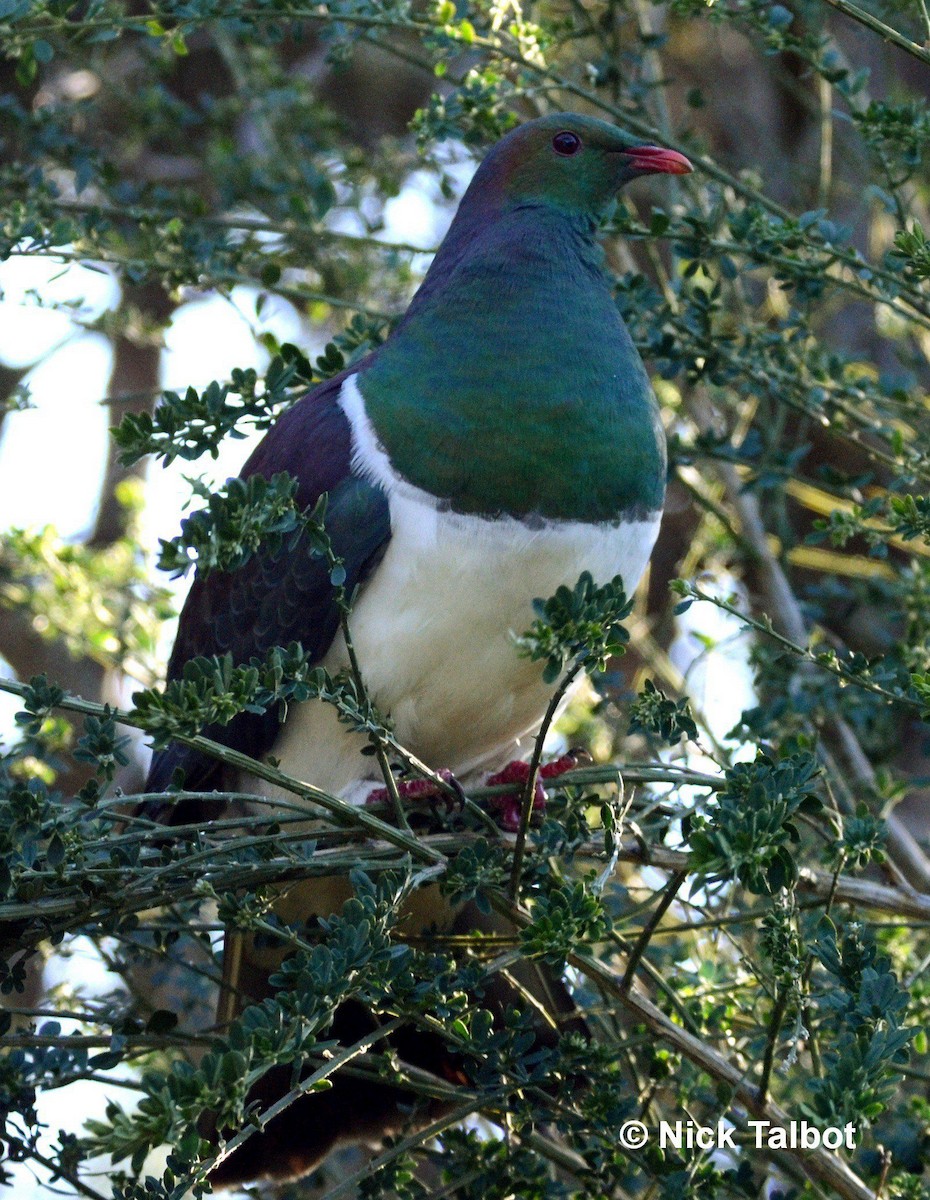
x=62, y=1173
x=345, y=812
x=529, y=793
x=378, y=743
x=669, y=893
x=771, y=1041
x=306, y=1085
x=879, y=27
x=409, y=1143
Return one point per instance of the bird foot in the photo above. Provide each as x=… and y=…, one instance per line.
x=508, y=805
x=414, y=790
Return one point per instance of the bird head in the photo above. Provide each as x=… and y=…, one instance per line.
x=570, y=162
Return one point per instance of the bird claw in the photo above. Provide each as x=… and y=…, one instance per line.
x=416, y=790
x=509, y=805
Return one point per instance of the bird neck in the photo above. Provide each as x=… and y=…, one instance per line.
x=511, y=386
x=487, y=234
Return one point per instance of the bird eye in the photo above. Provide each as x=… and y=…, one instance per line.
x=566, y=143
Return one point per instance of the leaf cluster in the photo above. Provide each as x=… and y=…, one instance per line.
x=652, y=712
x=750, y=832
x=578, y=625
x=866, y=1010
x=243, y=516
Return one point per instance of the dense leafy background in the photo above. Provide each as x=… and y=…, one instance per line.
x=745, y=922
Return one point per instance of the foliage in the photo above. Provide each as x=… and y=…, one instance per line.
x=212, y=691
x=101, y=601
x=191, y=425
x=751, y=826
x=653, y=712
x=238, y=519
x=869, y=1009
x=742, y=918
x=578, y=625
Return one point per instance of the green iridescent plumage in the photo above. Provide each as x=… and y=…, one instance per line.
x=512, y=385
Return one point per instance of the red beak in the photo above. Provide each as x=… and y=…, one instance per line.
x=656, y=160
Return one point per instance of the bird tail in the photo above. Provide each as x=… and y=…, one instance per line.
x=353, y=1109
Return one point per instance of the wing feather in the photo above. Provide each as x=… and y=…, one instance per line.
x=276, y=599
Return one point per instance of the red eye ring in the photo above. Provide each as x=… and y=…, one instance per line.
x=566, y=143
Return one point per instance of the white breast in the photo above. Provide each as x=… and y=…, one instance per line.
x=434, y=627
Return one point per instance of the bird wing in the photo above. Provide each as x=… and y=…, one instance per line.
x=283, y=597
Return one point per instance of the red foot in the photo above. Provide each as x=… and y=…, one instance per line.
x=412, y=789
x=506, y=806
x=509, y=804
